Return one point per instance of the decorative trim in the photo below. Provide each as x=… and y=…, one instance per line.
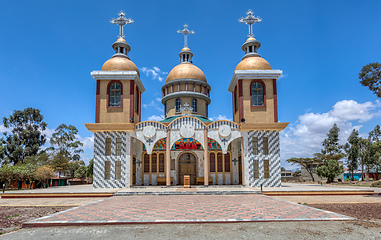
x=98, y=127
x=119, y=75
x=185, y=94
x=108, y=94
x=253, y=74
x=132, y=100
x=186, y=80
x=275, y=101
x=278, y=126
x=98, y=102
x=240, y=97
x=264, y=94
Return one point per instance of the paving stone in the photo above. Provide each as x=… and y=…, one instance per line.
x=185, y=208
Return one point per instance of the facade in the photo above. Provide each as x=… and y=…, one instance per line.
x=130, y=152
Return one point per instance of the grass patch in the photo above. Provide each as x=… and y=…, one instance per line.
x=13, y=216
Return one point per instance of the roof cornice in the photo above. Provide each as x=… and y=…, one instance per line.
x=119, y=75
x=253, y=74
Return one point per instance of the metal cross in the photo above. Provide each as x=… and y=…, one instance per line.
x=186, y=108
x=235, y=161
x=185, y=31
x=121, y=21
x=257, y=90
x=250, y=20
x=224, y=140
x=139, y=162
x=114, y=91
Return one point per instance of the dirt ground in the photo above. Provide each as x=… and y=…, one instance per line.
x=367, y=214
x=11, y=218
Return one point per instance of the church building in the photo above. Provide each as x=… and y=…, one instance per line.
x=130, y=152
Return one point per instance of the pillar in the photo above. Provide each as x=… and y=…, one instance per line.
x=206, y=158
x=243, y=162
x=168, y=159
x=131, y=159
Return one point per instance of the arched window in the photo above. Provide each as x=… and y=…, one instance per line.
x=257, y=94
x=178, y=105
x=114, y=94
x=194, y=105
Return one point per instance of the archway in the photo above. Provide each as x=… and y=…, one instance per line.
x=187, y=166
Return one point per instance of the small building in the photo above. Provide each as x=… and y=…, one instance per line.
x=305, y=175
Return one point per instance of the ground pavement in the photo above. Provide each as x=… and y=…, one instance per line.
x=185, y=209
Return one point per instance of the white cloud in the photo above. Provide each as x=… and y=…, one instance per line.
x=304, y=138
x=283, y=76
x=156, y=118
x=153, y=104
x=4, y=129
x=154, y=72
x=220, y=117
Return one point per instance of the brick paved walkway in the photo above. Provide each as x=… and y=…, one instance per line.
x=185, y=209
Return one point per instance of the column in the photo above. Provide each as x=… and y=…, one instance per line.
x=168, y=159
x=206, y=158
x=243, y=161
x=131, y=159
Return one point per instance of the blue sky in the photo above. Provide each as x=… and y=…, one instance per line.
x=49, y=48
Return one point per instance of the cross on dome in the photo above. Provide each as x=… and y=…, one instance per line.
x=185, y=31
x=121, y=21
x=250, y=20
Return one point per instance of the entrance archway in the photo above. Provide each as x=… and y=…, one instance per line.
x=187, y=166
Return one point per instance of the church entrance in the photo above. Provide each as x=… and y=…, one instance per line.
x=187, y=166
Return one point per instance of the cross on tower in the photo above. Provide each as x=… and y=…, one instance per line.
x=121, y=21
x=250, y=20
x=257, y=90
x=186, y=108
x=185, y=31
x=235, y=161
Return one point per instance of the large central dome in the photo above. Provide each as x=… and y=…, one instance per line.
x=186, y=70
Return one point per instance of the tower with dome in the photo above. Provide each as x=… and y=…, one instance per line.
x=130, y=152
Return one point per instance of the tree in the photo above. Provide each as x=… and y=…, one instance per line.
x=43, y=174
x=26, y=137
x=307, y=163
x=329, y=156
x=8, y=174
x=363, y=154
x=370, y=76
x=331, y=143
x=352, y=150
x=329, y=169
x=90, y=169
x=374, y=160
x=65, y=147
x=27, y=172
x=73, y=166
x=297, y=173
x=60, y=163
x=282, y=169
x=80, y=172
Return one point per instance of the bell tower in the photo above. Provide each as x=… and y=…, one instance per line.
x=253, y=85
x=119, y=88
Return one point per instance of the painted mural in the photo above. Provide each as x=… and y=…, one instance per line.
x=186, y=144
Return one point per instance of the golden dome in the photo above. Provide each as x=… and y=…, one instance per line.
x=119, y=64
x=186, y=70
x=185, y=49
x=251, y=39
x=121, y=40
x=253, y=63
